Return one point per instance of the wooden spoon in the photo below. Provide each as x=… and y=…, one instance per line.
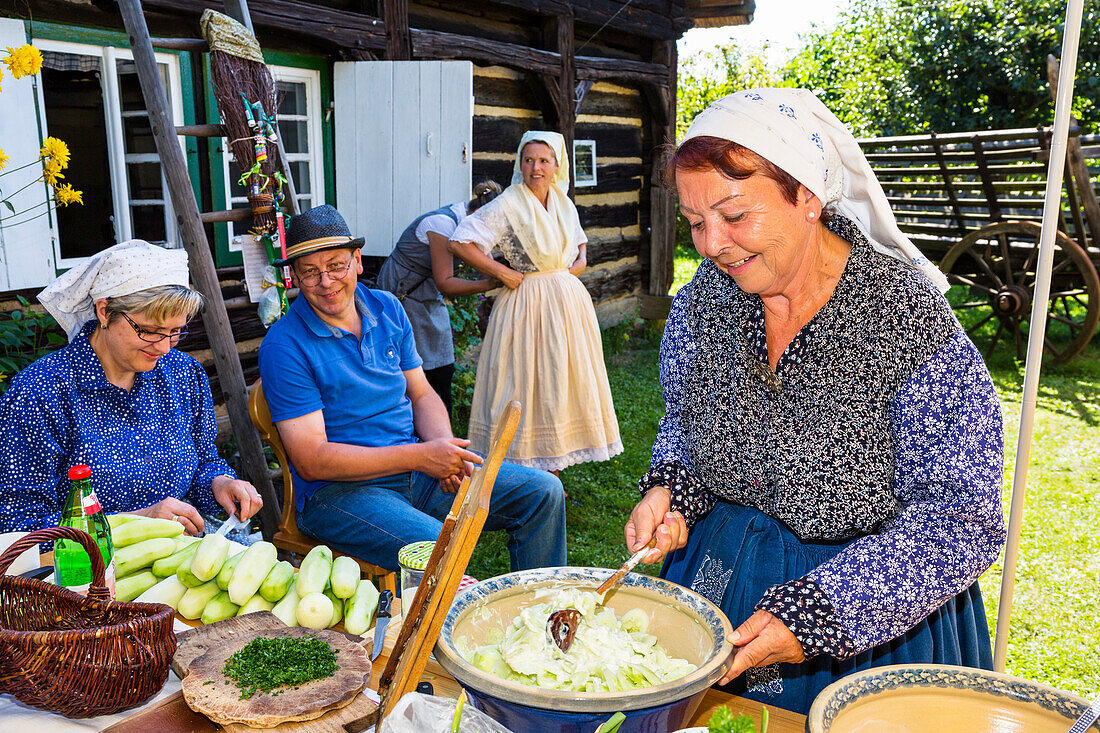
x=562, y=625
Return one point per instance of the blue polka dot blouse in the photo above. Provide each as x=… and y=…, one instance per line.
x=143, y=445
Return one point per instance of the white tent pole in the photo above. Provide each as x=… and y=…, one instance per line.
x=1037, y=329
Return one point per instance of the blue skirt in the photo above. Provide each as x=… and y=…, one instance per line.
x=736, y=553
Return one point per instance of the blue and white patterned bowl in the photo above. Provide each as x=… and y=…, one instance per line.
x=907, y=698
x=686, y=625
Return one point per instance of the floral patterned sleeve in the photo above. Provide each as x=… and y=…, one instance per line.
x=950, y=529
x=671, y=466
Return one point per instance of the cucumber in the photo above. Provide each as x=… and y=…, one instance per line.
x=219, y=608
x=226, y=573
x=287, y=608
x=168, y=591
x=132, y=558
x=185, y=576
x=185, y=540
x=314, y=611
x=132, y=586
x=314, y=572
x=208, y=559
x=256, y=603
x=359, y=610
x=345, y=576
x=251, y=570
x=277, y=582
x=166, y=566
x=194, y=601
x=146, y=528
x=337, y=608
x=117, y=520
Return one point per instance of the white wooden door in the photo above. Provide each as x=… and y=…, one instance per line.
x=27, y=236
x=404, y=141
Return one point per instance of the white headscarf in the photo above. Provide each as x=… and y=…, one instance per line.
x=549, y=235
x=123, y=269
x=795, y=131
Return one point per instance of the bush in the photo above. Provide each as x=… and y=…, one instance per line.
x=25, y=336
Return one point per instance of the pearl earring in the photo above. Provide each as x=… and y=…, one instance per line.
x=811, y=216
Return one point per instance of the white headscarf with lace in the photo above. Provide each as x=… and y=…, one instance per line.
x=123, y=269
x=795, y=131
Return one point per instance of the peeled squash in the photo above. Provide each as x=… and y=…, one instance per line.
x=287, y=609
x=359, y=610
x=315, y=571
x=210, y=556
x=194, y=601
x=251, y=570
x=145, y=528
x=345, y=576
x=337, y=608
x=255, y=603
x=168, y=591
x=117, y=520
x=226, y=573
x=166, y=566
x=132, y=586
x=134, y=557
x=315, y=611
x=219, y=608
x=278, y=581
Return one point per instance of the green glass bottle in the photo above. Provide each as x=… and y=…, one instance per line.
x=71, y=564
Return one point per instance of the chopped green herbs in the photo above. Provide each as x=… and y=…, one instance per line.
x=724, y=721
x=268, y=663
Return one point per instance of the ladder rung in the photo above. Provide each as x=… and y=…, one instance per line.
x=217, y=217
x=181, y=44
x=201, y=130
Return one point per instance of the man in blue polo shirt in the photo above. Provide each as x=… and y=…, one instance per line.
x=374, y=461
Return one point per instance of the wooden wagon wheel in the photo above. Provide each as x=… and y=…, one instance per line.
x=997, y=266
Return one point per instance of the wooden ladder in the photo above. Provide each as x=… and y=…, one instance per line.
x=193, y=238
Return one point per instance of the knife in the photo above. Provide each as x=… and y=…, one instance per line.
x=381, y=620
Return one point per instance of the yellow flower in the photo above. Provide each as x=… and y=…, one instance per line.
x=23, y=61
x=51, y=171
x=55, y=149
x=65, y=195
x=3, y=159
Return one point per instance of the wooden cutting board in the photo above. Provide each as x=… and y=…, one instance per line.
x=173, y=713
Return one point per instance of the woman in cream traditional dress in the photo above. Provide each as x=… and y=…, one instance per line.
x=542, y=346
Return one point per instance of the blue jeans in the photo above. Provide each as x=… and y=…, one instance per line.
x=374, y=519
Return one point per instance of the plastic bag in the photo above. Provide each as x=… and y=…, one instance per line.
x=271, y=302
x=420, y=713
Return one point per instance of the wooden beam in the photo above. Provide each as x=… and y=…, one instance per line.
x=566, y=82
x=351, y=32
x=193, y=238
x=181, y=44
x=662, y=209
x=646, y=19
x=201, y=130
x=398, y=46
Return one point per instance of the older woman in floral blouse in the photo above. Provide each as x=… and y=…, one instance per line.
x=829, y=465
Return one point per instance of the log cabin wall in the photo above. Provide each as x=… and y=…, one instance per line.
x=617, y=45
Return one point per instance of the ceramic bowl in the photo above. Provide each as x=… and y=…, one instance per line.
x=686, y=625
x=936, y=697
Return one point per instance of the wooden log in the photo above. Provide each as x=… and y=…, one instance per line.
x=216, y=217
x=201, y=130
x=600, y=252
x=647, y=19
x=495, y=91
x=662, y=211
x=604, y=284
x=181, y=44
x=623, y=215
x=193, y=238
x=398, y=46
x=502, y=134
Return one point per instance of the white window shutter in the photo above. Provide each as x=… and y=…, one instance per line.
x=404, y=143
x=26, y=249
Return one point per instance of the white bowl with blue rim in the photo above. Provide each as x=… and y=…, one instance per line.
x=914, y=698
x=686, y=625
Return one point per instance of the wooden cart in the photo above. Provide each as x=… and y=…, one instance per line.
x=973, y=202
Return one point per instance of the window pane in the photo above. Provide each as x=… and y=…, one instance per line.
x=145, y=181
x=148, y=223
x=293, y=101
x=138, y=135
x=295, y=136
x=73, y=95
x=299, y=171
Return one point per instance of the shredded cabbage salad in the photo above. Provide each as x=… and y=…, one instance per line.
x=608, y=654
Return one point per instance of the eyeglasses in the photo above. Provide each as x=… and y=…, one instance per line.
x=313, y=277
x=155, y=337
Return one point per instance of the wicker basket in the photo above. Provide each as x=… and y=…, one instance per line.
x=75, y=655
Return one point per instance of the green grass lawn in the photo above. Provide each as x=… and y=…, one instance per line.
x=1055, y=632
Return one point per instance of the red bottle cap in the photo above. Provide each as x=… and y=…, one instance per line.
x=79, y=472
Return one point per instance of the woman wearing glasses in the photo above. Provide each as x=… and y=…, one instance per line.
x=118, y=398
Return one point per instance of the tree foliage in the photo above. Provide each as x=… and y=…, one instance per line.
x=895, y=67
x=910, y=66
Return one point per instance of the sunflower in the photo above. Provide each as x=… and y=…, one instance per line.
x=55, y=149
x=23, y=61
x=3, y=159
x=65, y=195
